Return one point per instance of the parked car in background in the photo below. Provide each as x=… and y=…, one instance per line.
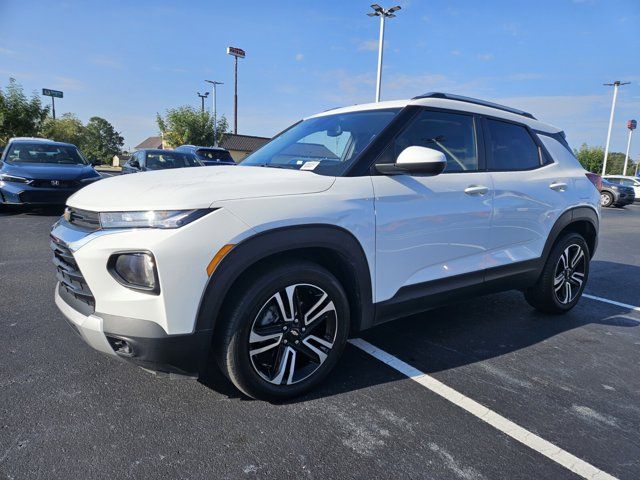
x=209, y=156
x=147, y=160
x=37, y=171
x=615, y=195
x=348, y=219
x=633, y=182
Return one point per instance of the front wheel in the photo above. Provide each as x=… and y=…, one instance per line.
x=285, y=330
x=563, y=277
x=606, y=199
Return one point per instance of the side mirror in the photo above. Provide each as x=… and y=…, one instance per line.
x=423, y=160
x=134, y=164
x=95, y=162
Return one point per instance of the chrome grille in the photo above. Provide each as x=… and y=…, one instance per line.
x=73, y=287
x=83, y=219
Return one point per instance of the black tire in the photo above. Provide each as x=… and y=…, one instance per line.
x=232, y=339
x=606, y=199
x=550, y=296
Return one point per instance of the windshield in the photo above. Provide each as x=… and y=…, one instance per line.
x=161, y=161
x=44, y=153
x=327, y=145
x=213, y=155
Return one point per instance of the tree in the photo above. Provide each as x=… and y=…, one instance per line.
x=101, y=141
x=20, y=116
x=591, y=159
x=187, y=125
x=68, y=128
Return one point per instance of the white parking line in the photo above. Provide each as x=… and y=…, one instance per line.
x=612, y=302
x=549, y=450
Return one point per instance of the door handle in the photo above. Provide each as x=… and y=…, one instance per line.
x=558, y=186
x=476, y=190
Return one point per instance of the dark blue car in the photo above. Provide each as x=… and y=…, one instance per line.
x=36, y=171
x=209, y=156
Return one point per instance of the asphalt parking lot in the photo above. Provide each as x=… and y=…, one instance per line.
x=69, y=412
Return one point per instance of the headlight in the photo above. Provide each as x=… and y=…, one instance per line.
x=151, y=218
x=12, y=178
x=136, y=270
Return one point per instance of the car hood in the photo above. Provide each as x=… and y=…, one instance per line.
x=197, y=187
x=49, y=171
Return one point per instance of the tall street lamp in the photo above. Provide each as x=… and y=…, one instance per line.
x=214, y=84
x=378, y=11
x=202, y=97
x=631, y=125
x=236, y=53
x=615, y=86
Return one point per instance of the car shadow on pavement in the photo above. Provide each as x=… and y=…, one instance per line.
x=41, y=211
x=454, y=336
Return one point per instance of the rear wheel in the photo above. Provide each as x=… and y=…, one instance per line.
x=563, y=278
x=606, y=199
x=285, y=332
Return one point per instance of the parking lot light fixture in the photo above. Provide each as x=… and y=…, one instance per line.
x=615, y=86
x=378, y=11
x=214, y=84
x=202, y=97
x=631, y=125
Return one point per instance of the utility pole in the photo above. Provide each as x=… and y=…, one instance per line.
x=215, y=116
x=631, y=125
x=236, y=53
x=615, y=86
x=202, y=97
x=378, y=11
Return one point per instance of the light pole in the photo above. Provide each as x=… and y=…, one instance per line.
x=202, y=97
x=215, y=117
x=236, y=53
x=378, y=11
x=615, y=86
x=631, y=125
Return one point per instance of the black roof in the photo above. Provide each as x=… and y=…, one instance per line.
x=159, y=150
x=476, y=101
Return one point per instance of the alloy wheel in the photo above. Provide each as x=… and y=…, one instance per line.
x=569, y=274
x=293, y=334
x=605, y=199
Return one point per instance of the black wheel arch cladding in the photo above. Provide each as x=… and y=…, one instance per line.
x=331, y=246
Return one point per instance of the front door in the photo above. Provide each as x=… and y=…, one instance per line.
x=431, y=228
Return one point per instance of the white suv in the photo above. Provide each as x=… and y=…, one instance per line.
x=349, y=218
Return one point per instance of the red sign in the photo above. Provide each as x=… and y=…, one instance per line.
x=632, y=124
x=236, y=52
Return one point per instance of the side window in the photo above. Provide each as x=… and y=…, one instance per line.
x=613, y=180
x=453, y=134
x=511, y=147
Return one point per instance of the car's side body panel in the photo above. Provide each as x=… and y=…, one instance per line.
x=428, y=228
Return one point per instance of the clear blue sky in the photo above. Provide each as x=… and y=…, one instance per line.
x=125, y=61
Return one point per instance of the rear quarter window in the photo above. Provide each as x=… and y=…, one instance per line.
x=511, y=147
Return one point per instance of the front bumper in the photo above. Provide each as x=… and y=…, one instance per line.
x=22, y=194
x=146, y=344
x=625, y=199
x=158, y=329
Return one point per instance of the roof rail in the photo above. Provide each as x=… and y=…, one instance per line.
x=484, y=103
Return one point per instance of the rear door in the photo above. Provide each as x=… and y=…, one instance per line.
x=531, y=192
x=430, y=228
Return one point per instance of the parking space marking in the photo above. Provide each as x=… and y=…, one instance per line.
x=612, y=302
x=515, y=431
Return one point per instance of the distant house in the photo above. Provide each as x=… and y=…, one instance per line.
x=239, y=146
x=151, y=142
